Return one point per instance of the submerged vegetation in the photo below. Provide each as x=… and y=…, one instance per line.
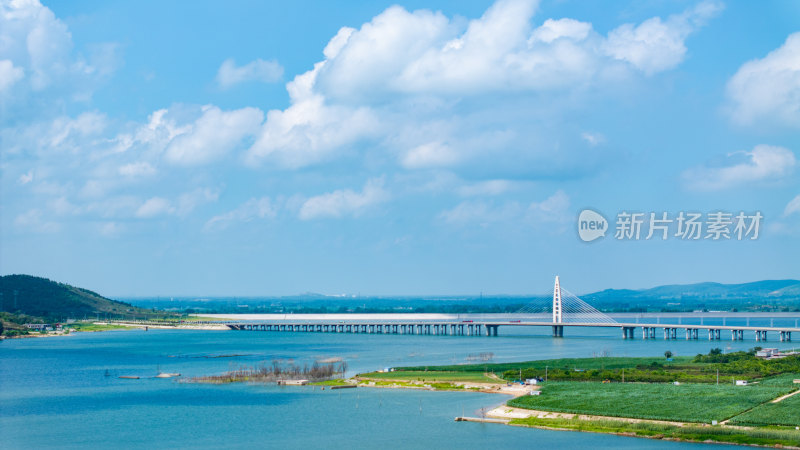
x=276, y=371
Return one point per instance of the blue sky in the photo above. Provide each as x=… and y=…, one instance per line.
x=423, y=147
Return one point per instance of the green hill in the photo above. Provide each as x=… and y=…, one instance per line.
x=40, y=297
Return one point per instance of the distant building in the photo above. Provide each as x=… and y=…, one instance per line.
x=741, y=382
x=767, y=352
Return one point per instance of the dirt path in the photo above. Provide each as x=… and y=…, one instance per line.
x=780, y=399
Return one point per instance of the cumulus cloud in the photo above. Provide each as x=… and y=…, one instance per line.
x=344, y=202
x=554, y=209
x=769, y=88
x=310, y=129
x=255, y=208
x=9, y=74
x=402, y=62
x=213, y=135
x=185, y=203
x=656, y=45
x=259, y=70
x=137, y=169
x=154, y=206
x=36, y=47
x=763, y=163
x=792, y=207
x=429, y=154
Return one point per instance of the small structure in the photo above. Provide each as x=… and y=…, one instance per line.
x=767, y=353
x=532, y=381
x=535, y=393
x=293, y=382
x=741, y=382
x=796, y=381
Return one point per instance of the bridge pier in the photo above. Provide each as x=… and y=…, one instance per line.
x=627, y=332
x=648, y=332
x=761, y=335
x=558, y=330
x=786, y=336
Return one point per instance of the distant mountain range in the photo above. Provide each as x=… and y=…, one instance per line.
x=766, y=292
x=761, y=289
x=40, y=297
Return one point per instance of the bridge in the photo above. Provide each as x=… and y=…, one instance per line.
x=566, y=311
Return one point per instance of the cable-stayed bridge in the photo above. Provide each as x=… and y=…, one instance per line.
x=564, y=310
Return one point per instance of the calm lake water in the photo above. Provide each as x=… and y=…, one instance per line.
x=55, y=391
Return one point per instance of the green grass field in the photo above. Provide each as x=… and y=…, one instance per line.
x=660, y=431
x=430, y=376
x=88, y=326
x=685, y=402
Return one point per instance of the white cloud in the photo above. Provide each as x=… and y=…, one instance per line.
x=38, y=47
x=481, y=212
x=403, y=70
x=213, y=135
x=551, y=30
x=32, y=220
x=344, y=202
x=188, y=201
x=154, y=206
x=763, y=163
x=309, y=130
x=185, y=204
x=137, y=169
x=486, y=188
x=792, y=207
x=768, y=89
x=593, y=139
x=111, y=229
x=255, y=208
x=26, y=178
x=553, y=210
x=259, y=70
x=430, y=154
x=656, y=45
x=9, y=74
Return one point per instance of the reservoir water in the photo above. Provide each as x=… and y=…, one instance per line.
x=65, y=391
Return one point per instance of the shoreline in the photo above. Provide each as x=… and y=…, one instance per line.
x=120, y=326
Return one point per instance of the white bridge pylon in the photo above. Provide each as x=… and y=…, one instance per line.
x=557, y=312
x=565, y=307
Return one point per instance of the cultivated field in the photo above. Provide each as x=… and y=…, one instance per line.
x=685, y=402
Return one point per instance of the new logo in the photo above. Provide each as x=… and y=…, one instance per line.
x=591, y=225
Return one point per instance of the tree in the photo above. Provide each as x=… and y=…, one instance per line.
x=715, y=351
x=668, y=354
